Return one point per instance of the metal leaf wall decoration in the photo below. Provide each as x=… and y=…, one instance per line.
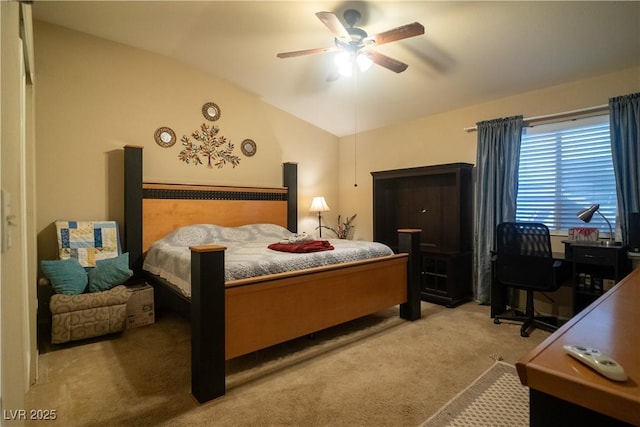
x=207, y=144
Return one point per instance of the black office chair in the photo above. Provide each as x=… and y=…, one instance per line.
x=524, y=261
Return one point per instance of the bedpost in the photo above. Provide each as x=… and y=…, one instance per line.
x=290, y=180
x=207, y=322
x=133, y=207
x=409, y=242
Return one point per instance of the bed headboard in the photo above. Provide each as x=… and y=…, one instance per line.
x=154, y=210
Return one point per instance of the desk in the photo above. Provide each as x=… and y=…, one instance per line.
x=598, y=262
x=563, y=391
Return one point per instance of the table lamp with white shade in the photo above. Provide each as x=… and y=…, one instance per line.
x=318, y=204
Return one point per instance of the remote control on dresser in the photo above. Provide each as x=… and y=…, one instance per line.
x=597, y=361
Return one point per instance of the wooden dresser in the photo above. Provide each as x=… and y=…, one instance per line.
x=563, y=391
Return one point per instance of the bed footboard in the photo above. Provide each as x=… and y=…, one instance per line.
x=224, y=316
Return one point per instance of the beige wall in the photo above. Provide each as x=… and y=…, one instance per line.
x=441, y=139
x=96, y=96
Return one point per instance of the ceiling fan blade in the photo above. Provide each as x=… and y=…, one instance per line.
x=387, y=62
x=331, y=21
x=398, y=33
x=306, y=52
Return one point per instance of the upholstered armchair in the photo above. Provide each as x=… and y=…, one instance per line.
x=89, y=299
x=75, y=317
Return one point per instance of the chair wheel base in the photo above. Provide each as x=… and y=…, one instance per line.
x=545, y=323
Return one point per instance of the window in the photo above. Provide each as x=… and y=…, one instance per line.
x=566, y=167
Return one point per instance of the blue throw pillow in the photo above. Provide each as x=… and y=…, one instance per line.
x=109, y=272
x=67, y=276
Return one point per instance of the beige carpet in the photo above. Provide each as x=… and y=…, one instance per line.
x=379, y=370
x=495, y=399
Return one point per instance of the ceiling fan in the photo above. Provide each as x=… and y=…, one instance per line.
x=356, y=42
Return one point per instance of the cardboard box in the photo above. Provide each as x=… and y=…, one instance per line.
x=583, y=234
x=140, y=309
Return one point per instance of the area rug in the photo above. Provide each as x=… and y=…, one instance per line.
x=496, y=398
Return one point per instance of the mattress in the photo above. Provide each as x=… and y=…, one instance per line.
x=247, y=254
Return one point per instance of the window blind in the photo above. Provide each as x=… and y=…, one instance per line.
x=565, y=167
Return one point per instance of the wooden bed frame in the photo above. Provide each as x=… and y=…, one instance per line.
x=241, y=316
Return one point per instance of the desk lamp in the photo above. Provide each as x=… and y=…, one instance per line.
x=319, y=205
x=587, y=214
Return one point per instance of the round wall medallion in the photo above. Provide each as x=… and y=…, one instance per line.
x=248, y=147
x=165, y=137
x=211, y=111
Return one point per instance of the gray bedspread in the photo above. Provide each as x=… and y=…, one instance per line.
x=247, y=254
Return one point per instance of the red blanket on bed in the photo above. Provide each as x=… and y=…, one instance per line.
x=302, y=247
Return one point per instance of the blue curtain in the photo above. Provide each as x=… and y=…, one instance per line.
x=497, y=159
x=624, y=112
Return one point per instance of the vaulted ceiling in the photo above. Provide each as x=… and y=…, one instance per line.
x=471, y=52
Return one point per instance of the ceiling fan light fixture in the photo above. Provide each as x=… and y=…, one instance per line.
x=344, y=63
x=364, y=61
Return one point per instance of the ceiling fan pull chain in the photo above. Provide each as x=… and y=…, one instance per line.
x=355, y=126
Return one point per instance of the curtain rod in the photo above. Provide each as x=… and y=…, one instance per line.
x=527, y=121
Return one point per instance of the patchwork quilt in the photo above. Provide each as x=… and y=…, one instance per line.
x=88, y=241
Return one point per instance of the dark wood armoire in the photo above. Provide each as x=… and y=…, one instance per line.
x=439, y=200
